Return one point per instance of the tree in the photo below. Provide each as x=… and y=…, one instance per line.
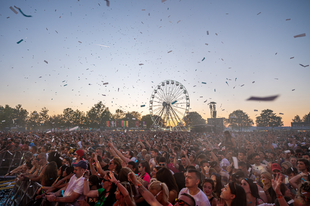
x=147, y=120
x=34, y=120
x=119, y=114
x=239, y=119
x=193, y=118
x=296, y=119
x=268, y=119
x=68, y=115
x=306, y=118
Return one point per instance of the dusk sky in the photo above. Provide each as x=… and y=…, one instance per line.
x=70, y=48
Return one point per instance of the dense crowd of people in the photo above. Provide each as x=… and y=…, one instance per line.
x=165, y=168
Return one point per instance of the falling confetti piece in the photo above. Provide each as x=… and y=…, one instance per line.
x=143, y=105
x=22, y=12
x=141, y=64
x=205, y=101
x=300, y=35
x=65, y=85
x=287, y=19
x=45, y=61
x=204, y=82
x=255, y=110
x=216, y=34
x=207, y=32
x=242, y=85
x=19, y=41
x=103, y=95
x=108, y=2
x=292, y=58
x=235, y=79
x=13, y=10
x=253, y=82
x=303, y=65
x=206, y=44
x=270, y=98
x=214, y=90
x=293, y=89
x=259, y=13
x=80, y=42
x=178, y=21
x=276, y=53
x=227, y=83
x=174, y=102
x=105, y=83
x=281, y=113
x=162, y=1
x=203, y=59
x=170, y=51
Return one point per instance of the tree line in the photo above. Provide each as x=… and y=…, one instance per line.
x=99, y=114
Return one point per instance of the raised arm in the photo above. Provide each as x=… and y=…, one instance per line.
x=147, y=195
x=125, y=159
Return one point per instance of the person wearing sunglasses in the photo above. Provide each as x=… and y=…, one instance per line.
x=183, y=200
x=251, y=191
x=234, y=195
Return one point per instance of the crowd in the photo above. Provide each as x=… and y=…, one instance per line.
x=165, y=168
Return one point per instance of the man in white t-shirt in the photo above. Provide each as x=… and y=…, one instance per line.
x=192, y=180
x=74, y=190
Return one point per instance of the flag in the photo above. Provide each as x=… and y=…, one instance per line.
x=143, y=123
x=126, y=123
x=115, y=124
x=137, y=123
x=108, y=123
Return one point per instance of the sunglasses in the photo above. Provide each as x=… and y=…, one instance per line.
x=181, y=202
x=161, y=164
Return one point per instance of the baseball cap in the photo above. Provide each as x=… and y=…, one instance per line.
x=81, y=164
x=80, y=152
x=275, y=166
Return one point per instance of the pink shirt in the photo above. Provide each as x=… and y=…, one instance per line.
x=146, y=177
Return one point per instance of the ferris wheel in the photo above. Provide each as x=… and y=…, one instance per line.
x=168, y=105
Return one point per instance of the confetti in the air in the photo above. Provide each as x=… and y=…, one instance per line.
x=255, y=110
x=270, y=98
x=108, y=2
x=13, y=10
x=281, y=113
x=141, y=64
x=203, y=59
x=19, y=41
x=300, y=35
x=235, y=79
x=292, y=58
x=214, y=90
x=143, y=105
x=304, y=65
x=45, y=61
x=259, y=13
x=293, y=89
x=287, y=19
x=105, y=83
x=65, y=85
x=170, y=51
x=253, y=82
x=207, y=32
x=22, y=12
x=178, y=21
x=204, y=82
x=227, y=83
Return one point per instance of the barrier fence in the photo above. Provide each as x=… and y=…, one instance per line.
x=9, y=161
x=22, y=193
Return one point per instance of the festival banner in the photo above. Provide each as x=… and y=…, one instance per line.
x=143, y=123
x=115, y=124
x=137, y=123
x=108, y=123
x=122, y=123
x=126, y=123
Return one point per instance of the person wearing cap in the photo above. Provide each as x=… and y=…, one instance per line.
x=275, y=168
x=74, y=190
x=78, y=156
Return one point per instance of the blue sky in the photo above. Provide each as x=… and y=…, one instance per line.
x=248, y=40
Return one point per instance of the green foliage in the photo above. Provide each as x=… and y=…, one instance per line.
x=193, y=118
x=296, y=119
x=268, y=119
x=306, y=118
x=238, y=119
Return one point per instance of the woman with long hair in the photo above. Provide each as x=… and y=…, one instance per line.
x=217, y=184
x=233, y=195
x=154, y=171
x=208, y=189
x=50, y=174
x=266, y=179
x=251, y=191
x=144, y=172
x=164, y=175
x=303, y=197
x=160, y=192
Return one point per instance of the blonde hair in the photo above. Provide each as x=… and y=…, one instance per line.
x=288, y=164
x=160, y=186
x=268, y=176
